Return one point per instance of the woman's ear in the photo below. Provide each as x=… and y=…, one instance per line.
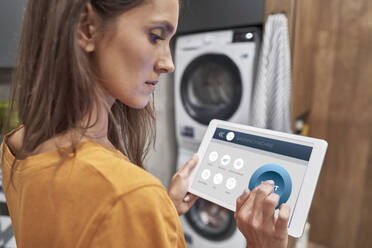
x=87, y=29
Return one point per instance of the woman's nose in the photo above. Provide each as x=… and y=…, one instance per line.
x=165, y=64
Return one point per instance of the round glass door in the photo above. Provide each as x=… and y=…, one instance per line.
x=211, y=88
x=211, y=221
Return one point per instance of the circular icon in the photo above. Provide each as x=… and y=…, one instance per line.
x=205, y=174
x=238, y=163
x=225, y=160
x=213, y=156
x=281, y=178
x=230, y=136
x=218, y=178
x=248, y=36
x=230, y=183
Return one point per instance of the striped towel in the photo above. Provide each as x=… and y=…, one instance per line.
x=271, y=94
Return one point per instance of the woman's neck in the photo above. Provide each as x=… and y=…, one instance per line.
x=98, y=124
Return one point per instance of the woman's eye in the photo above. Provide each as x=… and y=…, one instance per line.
x=154, y=38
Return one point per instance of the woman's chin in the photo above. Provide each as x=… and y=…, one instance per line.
x=138, y=104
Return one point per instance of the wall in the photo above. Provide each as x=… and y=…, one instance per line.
x=206, y=15
x=5, y=77
x=11, y=15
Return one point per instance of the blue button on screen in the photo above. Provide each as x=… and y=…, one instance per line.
x=283, y=182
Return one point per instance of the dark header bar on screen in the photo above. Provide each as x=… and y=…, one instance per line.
x=270, y=145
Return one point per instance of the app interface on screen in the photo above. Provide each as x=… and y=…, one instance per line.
x=236, y=160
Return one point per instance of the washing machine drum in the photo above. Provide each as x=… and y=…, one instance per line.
x=211, y=88
x=211, y=221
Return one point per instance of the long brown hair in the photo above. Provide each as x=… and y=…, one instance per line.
x=54, y=84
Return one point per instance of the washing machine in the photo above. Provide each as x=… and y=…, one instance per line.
x=213, y=80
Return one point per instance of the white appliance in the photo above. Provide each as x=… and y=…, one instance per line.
x=213, y=80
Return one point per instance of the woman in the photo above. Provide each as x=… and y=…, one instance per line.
x=85, y=74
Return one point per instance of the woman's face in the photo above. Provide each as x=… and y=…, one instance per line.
x=131, y=56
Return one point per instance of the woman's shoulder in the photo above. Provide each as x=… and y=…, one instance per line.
x=115, y=168
x=95, y=162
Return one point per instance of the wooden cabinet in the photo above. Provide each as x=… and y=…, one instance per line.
x=332, y=78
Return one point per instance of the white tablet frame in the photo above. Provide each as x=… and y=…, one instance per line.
x=302, y=207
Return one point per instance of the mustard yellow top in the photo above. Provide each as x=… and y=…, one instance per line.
x=96, y=199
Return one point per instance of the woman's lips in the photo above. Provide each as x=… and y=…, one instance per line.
x=152, y=82
x=151, y=85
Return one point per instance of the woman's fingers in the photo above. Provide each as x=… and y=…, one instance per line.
x=190, y=199
x=189, y=166
x=254, y=216
x=179, y=185
x=263, y=191
x=281, y=224
x=269, y=205
x=187, y=203
x=249, y=207
x=240, y=201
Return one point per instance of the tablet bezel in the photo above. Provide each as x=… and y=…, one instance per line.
x=306, y=193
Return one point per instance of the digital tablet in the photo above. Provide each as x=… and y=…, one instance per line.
x=233, y=157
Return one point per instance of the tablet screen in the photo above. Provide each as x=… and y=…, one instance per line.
x=237, y=159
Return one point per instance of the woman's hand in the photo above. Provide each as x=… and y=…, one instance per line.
x=179, y=185
x=255, y=217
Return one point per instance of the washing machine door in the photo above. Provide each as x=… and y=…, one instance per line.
x=211, y=88
x=211, y=221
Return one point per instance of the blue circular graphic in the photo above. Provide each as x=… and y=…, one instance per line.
x=283, y=182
